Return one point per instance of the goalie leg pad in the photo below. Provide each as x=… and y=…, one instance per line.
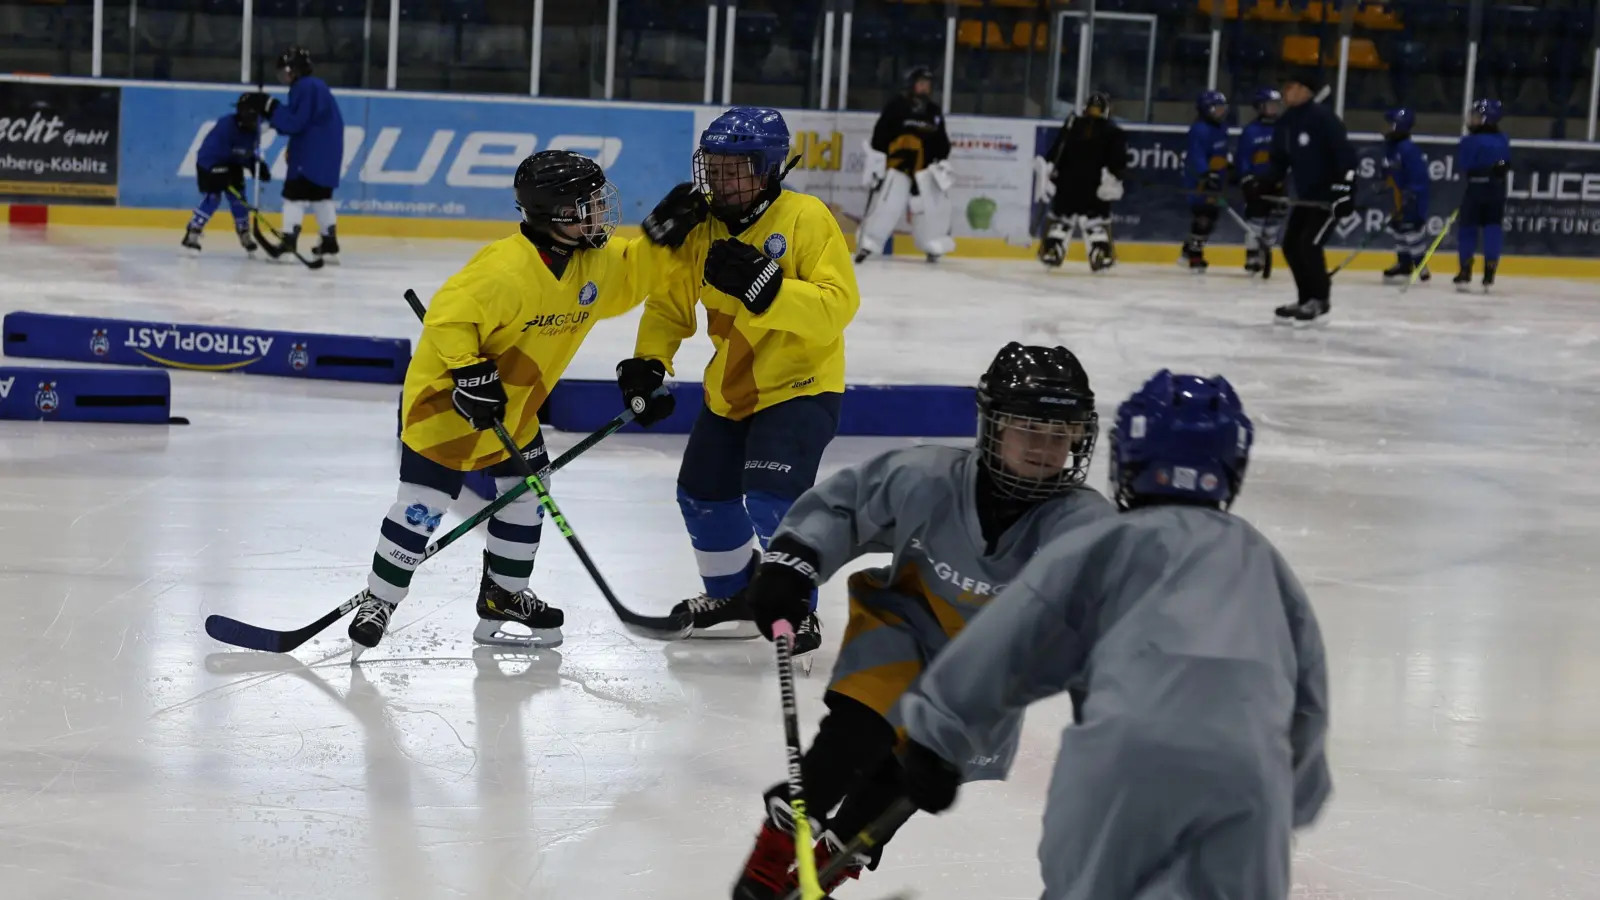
x=886, y=208
x=930, y=219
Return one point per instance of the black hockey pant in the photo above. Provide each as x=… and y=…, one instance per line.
x=1304, y=234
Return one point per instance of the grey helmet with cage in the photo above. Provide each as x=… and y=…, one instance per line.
x=560, y=187
x=1036, y=421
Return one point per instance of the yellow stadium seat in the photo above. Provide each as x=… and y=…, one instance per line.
x=1273, y=11
x=1301, y=50
x=1378, y=17
x=973, y=35
x=1230, y=8
x=1364, y=55
x=1022, y=31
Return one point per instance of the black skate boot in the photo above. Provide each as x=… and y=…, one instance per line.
x=496, y=606
x=291, y=243
x=245, y=240
x=1252, y=261
x=1309, y=312
x=861, y=256
x=1399, y=272
x=1488, y=274
x=1053, y=249
x=1285, y=314
x=191, y=239
x=728, y=618
x=809, y=636
x=370, y=624
x=1194, y=257
x=1463, y=279
x=932, y=258
x=1100, y=257
x=328, y=247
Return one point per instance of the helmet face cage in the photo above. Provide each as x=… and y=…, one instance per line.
x=1036, y=458
x=730, y=181
x=596, y=216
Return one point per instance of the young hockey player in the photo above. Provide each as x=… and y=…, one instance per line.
x=495, y=341
x=1310, y=142
x=908, y=167
x=773, y=272
x=1485, y=155
x=1204, y=169
x=1254, y=167
x=961, y=523
x=315, y=128
x=229, y=148
x=1081, y=177
x=1201, y=743
x=1405, y=169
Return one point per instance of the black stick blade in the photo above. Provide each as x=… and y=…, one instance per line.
x=254, y=637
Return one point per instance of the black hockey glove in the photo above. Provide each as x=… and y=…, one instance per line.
x=927, y=780
x=639, y=379
x=263, y=171
x=479, y=397
x=740, y=270
x=782, y=585
x=1211, y=183
x=1343, y=193
x=669, y=224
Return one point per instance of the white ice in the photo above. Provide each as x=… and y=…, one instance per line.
x=1427, y=462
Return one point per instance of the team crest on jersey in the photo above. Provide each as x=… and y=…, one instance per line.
x=99, y=343
x=417, y=517
x=46, y=399
x=775, y=246
x=299, y=359
x=588, y=294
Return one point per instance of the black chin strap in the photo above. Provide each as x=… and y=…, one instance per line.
x=556, y=254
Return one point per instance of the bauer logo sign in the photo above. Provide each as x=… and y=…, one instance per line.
x=411, y=156
x=58, y=143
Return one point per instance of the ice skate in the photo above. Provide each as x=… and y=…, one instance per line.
x=1488, y=275
x=1399, y=273
x=861, y=256
x=191, y=240
x=1309, y=312
x=769, y=871
x=1194, y=260
x=1100, y=258
x=245, y=240
x=830, y=846
x=328, y=247
x=291, y=241
x=1463, y=279
x=724, y=618
x=497, y=606
x=932, y=258
x=370, y=624
x=1285, y=314
x=1252, y=261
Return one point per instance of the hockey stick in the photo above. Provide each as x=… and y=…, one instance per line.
x=804, y=850
x=1417, y=272
x=273, y=249
x=663, y=628
x=1361, y=247
x=870, y=837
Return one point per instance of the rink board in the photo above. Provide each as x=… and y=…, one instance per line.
x=891, y=410
x=206, y=348
x=85, y=395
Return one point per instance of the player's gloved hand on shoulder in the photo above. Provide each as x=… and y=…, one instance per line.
x=927, y=780
x=1344, y=196
x=479, y=396
x=669, y=224
x=782, y=585
x=742, y=271
x=639, y=379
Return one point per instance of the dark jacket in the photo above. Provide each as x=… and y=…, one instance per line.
x=1085, y=145
x=911, y=131
x=1310, y=144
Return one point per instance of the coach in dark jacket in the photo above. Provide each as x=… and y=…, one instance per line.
x=1310, y=144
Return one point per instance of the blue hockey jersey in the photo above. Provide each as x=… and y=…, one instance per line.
x=1405, y=171
x=315, y=128
x=1481, y=151
x=1255, y=149
x=227, y=145
x=1208, y=151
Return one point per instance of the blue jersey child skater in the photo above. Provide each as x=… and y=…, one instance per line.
x=1203, y=172
x=315, y=128
x=1405, y=170
x=229, y=148
x=1254, y=167
x=1485, y=155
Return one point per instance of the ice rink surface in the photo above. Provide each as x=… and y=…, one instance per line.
x=1427, y=462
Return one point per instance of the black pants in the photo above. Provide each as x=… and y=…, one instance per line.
x=1304, y=234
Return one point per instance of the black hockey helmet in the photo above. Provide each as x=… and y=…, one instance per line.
x=247, y=112
x=1099, y=100
x=560, y=187
x=1036, y=421
x=916, y=74
x=295, y=62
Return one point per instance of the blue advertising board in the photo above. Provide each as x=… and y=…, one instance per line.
x=415, y=156
x=1552, y=208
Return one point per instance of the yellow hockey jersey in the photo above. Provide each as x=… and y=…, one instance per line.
x=505, y=305
x=796, y=347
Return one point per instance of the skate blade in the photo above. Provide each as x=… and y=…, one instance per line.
x=355, y=652
x=1318, y=322
x=493, y=633
x=726, y=631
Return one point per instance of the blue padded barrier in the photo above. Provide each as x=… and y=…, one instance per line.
x=206, y=348
x=85, y=395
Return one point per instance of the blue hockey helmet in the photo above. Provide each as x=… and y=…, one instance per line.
x=741, y=152
x=1182, y=437
x=1487, y=112
x=1212, y=104
x=1401, y=119
x=1268, y=102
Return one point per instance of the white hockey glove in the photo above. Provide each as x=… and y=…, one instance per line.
x=942, y=174
x=1044, y=184
x=876, y=165
x=1110, y=189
